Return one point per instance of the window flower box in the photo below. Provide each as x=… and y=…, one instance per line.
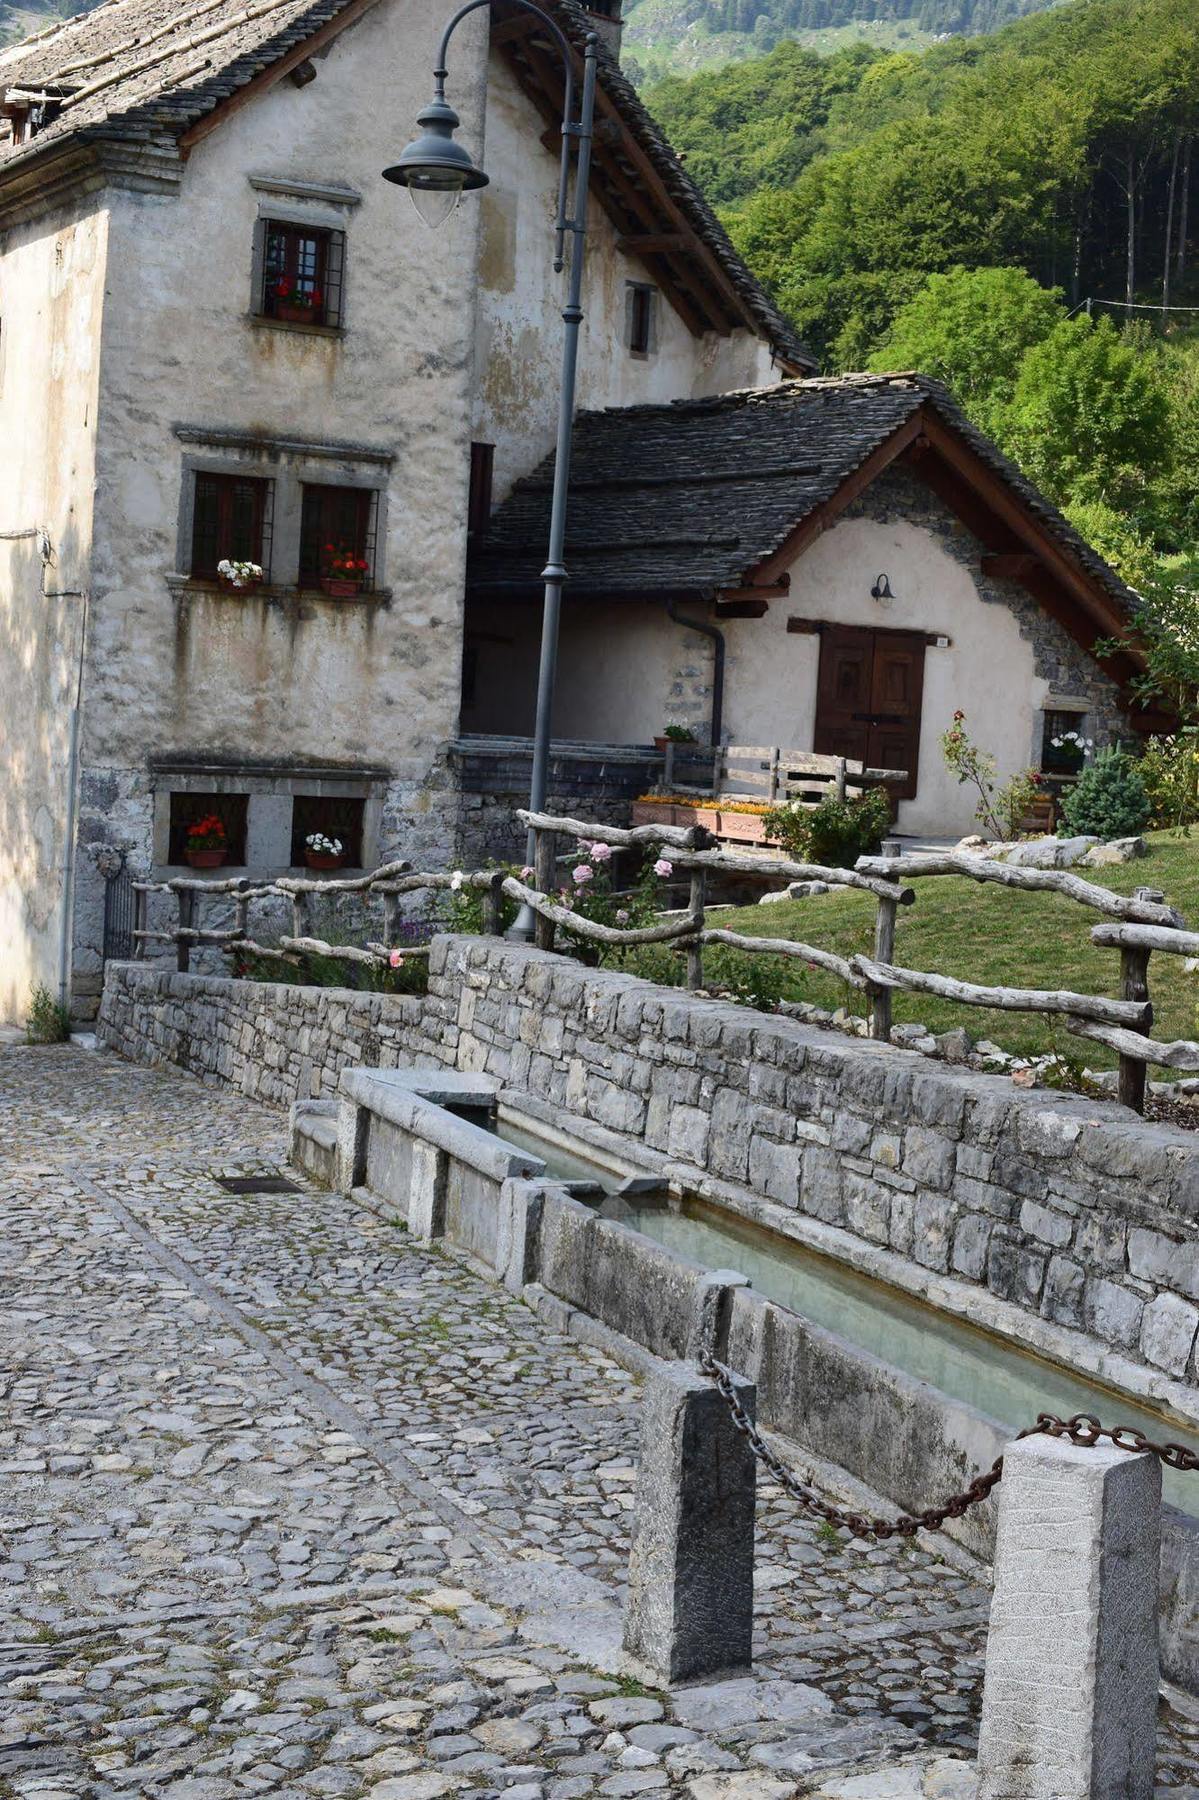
x=292, y=314
x=339, y=588
x=205, y=859
x=207, y=843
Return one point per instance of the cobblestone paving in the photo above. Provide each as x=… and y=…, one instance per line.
x=291, y=1507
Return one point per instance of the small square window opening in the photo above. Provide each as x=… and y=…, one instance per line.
x=302, y=274
x=1063, y=757
x=340, y=821
x=189, y=809
x=338, y=529
x=231, y=522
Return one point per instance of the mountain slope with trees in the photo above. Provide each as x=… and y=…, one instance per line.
x=1012, y=213
x=665, y=37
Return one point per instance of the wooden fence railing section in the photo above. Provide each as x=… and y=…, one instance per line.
x=1136, y=925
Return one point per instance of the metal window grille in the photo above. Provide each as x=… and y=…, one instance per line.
x=119, y=909
x=233, y=520
x=337, y=522
x=303, y=274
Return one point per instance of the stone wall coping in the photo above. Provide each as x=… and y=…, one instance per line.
x=1075, y=1351
x=424, y=1119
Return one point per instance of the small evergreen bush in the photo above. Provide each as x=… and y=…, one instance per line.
x=49, y=1022
x=1108, y=800
x=835, y=833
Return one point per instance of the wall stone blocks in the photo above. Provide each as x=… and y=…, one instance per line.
x=1059, y=1206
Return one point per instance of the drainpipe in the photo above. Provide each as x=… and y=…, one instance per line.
x=718, y=654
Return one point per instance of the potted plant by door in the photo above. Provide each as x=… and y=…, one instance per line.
x=675, y=734
x=207, y=843
x=321, y=852
x=244, y=576
x=345, y=572
x=296, y=305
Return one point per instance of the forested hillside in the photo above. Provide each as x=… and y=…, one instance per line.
x=1011, y=213
x=666, y=37
x=19, y=17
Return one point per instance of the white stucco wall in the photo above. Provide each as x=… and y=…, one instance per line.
x=51, y=294
x=237, y=677
x=626, y=669
x=520, y=306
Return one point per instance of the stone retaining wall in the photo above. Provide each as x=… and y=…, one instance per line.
x=1071, y=1210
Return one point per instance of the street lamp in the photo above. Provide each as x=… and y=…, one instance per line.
x=437, y=171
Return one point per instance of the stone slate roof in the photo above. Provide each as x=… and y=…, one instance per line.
x=146, y=70
x=692, y=497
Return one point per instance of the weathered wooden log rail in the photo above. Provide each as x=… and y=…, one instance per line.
x=1136, y=926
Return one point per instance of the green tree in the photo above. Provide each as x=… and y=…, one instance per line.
x=971, y=329
x=1088, y=416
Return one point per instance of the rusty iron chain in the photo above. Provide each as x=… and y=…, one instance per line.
x=1083, y=1429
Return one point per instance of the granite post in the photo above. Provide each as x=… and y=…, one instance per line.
x=689, y=1613
x=1070, y=1697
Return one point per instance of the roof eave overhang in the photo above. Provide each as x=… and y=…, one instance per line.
x=65, y=171
x=948, y=463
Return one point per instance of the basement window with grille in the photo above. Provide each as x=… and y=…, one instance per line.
x=303, y=274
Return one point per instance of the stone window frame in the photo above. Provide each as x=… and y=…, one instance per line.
x=289, y=465
x=270, y=790
x=312, y=205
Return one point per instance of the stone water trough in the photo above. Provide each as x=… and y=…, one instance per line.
x=425, y=1146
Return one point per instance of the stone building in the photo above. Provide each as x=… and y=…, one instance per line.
x=828, y=564
x=222, y=335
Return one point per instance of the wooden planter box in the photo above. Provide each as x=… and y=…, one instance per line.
x=649, y=812
x=742, y=828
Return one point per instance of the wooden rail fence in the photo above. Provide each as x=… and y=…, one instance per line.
x=1136, y=926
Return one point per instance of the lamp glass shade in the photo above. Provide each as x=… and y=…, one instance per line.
x=435, y=203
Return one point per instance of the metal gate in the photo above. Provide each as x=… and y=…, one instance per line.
x=119, y=920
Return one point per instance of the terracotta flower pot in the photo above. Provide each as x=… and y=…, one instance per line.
x=238, y=587
x=295, y=315
x=316, y=861
x=743, y=828
x=648, y=812
x=339, y=589
x=205, y=859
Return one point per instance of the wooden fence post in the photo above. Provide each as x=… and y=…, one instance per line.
x=299, y=915
x=884, y=952
x=241, y=910
x=493, y=906
x=668, y=767
x=1134, y=985
x=695, y=948
x=545, y=880
x=187, y=920
x=391, y=919
x=841, y=780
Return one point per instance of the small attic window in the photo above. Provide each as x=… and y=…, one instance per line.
x=641, y=319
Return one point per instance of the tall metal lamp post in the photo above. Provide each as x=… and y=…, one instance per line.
x=437, y=171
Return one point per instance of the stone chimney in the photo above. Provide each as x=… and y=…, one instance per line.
x=606, y=16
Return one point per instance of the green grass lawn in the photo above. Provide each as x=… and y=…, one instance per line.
x=998, y=937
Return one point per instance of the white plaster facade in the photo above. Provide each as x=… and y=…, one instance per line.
x=626, y=668
x=134, y=358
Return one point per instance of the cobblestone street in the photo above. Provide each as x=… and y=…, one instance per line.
x=291, y=1506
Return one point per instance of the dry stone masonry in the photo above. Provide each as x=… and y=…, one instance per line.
x=1076, y=1214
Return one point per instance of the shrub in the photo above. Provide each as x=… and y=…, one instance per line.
x=1169, y=772
x=835, y=833
x=49, y=1022
x=1109, y=798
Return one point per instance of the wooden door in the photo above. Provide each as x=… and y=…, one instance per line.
x=868, y=699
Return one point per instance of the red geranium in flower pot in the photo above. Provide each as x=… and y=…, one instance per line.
x=344, y=572
x=297, y=304
x=207, y=843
